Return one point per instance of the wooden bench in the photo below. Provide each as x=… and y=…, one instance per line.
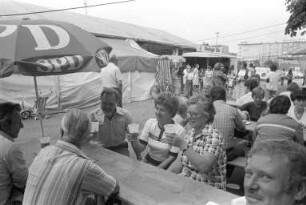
x=238, y=162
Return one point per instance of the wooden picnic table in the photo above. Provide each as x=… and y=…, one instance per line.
x=142, y=183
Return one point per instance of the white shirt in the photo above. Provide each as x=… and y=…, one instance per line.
x=245, y=99
x=273, y=81
x=111, y=76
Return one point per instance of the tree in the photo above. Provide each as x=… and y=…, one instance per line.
x=297, y=19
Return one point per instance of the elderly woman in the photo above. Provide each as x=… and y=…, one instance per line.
x=153, y=136
x=203, y=155
x=277, y=124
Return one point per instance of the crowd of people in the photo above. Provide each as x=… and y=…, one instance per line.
x=199, y=145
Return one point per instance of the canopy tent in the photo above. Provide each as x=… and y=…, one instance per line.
x=131, y=57
x=82, y=90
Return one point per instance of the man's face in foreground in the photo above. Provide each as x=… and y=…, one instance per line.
x=266, y=181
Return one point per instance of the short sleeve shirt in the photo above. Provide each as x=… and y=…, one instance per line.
x=253, y=110
x=110, y=76
x=273, y=81
x=154, y=137
x=112, y=132
x=209, y=141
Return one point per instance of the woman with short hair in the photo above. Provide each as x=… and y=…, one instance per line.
x=153, y=135
x=203, y=156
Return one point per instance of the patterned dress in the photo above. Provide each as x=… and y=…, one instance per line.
x=209, y=141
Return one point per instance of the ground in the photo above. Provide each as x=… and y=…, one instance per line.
x=141, y=111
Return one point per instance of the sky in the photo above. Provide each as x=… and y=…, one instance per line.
x=236, y=21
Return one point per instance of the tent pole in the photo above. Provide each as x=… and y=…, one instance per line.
x=39, y=116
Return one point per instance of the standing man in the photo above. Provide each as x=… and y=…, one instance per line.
x=111, y=77
x=113, y=122
x=62, y=174
x=13, y=170
x=272, y=81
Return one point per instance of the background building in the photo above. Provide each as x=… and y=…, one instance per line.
x=263, y=52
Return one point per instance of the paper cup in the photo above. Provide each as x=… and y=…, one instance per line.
x=94, y=127
x=133, y=128
x=239, y=201
x=170, y=128
x=44, y=141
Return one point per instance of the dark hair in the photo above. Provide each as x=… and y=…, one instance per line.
x=292, y=87
x=207, y=105
x=280, y=105
x=169, y=101
x=110, y=91
x=218, y=66
x=273, y=67
x=218, y=93
x=297, y=95
x=6, y=110
x=251, y=84
x=258, y=91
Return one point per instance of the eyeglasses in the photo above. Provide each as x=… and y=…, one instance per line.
x=193, y=115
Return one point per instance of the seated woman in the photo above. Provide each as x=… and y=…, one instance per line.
x=255, y=108
x=203, y=156
x=160, y=153
x=278, y=123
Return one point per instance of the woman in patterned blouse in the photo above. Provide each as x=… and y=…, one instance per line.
x=203, y=156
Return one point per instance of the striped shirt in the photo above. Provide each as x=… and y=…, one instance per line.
x=278, y=126
x=62, y=175
x=153, y=136
x=13, y=169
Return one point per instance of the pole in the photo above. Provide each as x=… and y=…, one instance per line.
x=85, y=4
x=40, y=119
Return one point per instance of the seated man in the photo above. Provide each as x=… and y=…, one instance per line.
x=277, y=124
x=13, y=170
x=113, y=122
x=62, y=174
x=227, y=118
x=275, y=173
x=250, y=84
x=255, y=108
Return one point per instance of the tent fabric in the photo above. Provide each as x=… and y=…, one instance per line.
x=75, y=90
x=131, y=57
x=99, y=26
x=80, y=90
